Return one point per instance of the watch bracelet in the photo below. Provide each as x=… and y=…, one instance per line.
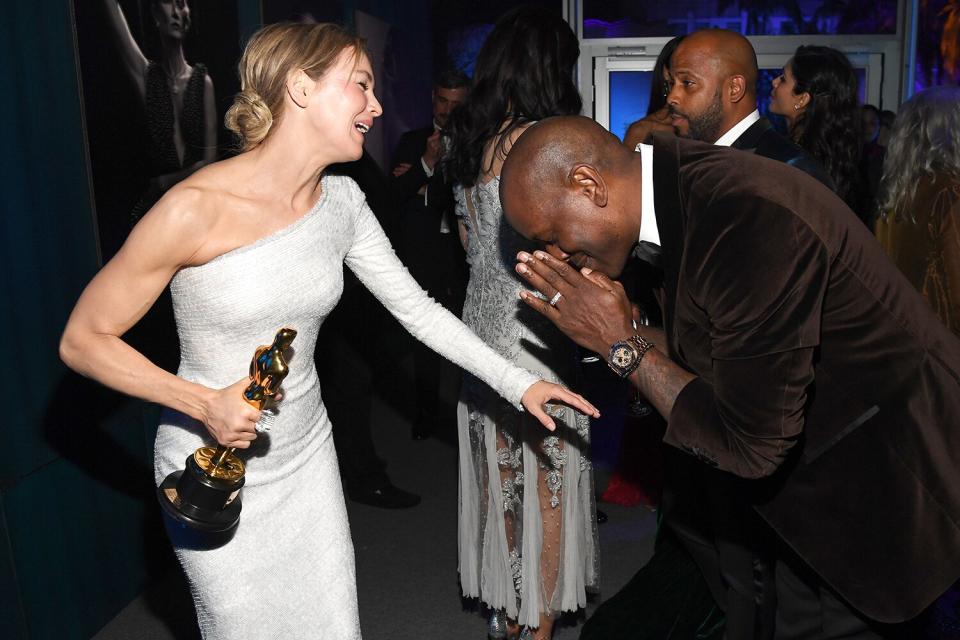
x=642, y=344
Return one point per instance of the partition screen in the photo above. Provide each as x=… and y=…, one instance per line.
x=629, y=98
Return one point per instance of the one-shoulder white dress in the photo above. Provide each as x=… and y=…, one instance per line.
x=288, y=569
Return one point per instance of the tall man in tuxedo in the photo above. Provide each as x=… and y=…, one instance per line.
x=794, y=356
x=429, y=242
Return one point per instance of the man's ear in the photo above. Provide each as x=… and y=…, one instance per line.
x=586, y=180
x=299, y=85
x=736, y=88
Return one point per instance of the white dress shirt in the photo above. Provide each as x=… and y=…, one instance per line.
x=648, y=217
x=444, y=223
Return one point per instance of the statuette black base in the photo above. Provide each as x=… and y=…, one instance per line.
x=194, y=498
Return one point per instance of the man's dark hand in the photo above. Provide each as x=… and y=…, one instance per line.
x=592, y=309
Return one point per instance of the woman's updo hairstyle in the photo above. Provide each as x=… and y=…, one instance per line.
x=271, y=55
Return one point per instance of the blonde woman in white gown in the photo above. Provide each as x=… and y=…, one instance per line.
x=248, y=245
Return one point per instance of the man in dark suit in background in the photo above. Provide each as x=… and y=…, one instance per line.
x=428, y=238
x=795, y=357
x=713, y=98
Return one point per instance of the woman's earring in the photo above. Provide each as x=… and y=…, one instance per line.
x=796, y=107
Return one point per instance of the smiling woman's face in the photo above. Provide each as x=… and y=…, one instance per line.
x=343, y=107
x=172, y=17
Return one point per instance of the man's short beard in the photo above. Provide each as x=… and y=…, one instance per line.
x=706, y=126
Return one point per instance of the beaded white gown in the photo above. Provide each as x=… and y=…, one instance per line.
x=528, y=535
x=288, y=570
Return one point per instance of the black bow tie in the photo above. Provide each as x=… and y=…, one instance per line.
x=648, y=252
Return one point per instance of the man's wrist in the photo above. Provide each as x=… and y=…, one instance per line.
x=610, y=339
x=626, y=355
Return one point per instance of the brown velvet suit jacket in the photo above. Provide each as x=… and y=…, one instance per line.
x=823, y=374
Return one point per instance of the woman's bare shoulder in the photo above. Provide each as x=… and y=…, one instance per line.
x=207, y=192
x=177, y=225
x=188, y=220
x=496, y=149
x=215, y=204
x=192, y=201
x=510, y=138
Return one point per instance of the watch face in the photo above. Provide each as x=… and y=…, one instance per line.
x=622, y=355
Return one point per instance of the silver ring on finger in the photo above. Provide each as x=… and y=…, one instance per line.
x=265, y=423
x=555, y=299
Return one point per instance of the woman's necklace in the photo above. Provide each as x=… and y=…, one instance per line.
x=174, y=81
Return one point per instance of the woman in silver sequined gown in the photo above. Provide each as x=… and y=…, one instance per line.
x=248, y=245
x=528, y=539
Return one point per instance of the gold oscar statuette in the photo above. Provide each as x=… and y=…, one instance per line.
x=205, y=495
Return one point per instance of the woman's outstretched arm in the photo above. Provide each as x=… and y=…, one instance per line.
x=373, y=260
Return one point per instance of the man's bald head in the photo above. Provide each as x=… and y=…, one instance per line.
x=544, y=154
x=714, y=74
x=571, y=185
x=731, y=52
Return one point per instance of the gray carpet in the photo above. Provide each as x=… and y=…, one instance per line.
x=406, y=559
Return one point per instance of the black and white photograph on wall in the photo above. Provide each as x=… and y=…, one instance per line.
x=157, y=77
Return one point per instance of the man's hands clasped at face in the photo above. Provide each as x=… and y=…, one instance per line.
x=592, y=310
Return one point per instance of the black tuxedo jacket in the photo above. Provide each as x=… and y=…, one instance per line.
x=404, y=189
x=762, y=139
x=409, y=149
x=821, y=371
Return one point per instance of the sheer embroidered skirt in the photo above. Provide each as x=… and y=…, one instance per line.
x=527, y=532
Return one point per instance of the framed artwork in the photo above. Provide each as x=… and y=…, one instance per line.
x=156, y=78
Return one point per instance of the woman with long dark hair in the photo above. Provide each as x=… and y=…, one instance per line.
x=528, y=540
x=817, y=94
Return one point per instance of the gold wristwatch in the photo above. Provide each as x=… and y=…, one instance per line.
x=625, y=355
